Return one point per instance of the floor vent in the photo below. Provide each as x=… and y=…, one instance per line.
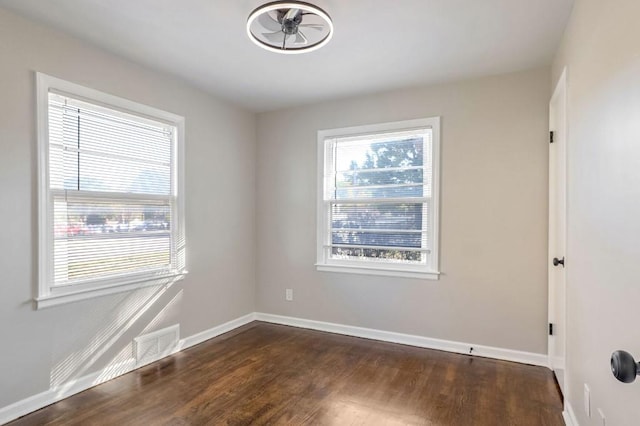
x=155, y=345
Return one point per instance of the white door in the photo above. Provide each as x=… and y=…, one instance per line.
x=558, y=264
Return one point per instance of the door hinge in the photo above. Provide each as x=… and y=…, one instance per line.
x=550, y=329
x=550, y=137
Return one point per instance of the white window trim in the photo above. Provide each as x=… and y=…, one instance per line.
x=324, y=264
x=48, y=295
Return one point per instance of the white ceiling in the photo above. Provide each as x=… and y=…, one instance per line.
x=378, y=44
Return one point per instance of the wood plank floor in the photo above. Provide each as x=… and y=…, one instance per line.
x=271, y=374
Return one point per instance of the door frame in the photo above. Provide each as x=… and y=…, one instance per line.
x=558, y=119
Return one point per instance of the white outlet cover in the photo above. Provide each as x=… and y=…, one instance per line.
x=288, y=294
x=587, y=400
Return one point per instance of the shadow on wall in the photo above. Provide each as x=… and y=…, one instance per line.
x=102, y=341
x=110, y=347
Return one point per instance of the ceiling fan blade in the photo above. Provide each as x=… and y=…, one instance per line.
x=275, y=37
x=291, y=14
x=312, y=26
x=300, y=38
x=269, y=23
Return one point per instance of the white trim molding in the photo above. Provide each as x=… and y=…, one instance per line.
x=38, y=401
x=58, y=393
x=69, y=297
x=48, y=397
x=411, y=340
x=327, y=170
x=53, y=291
x=385, y=272
x=203, y=336
x=569, y=415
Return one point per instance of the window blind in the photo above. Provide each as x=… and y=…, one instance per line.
x=378, y=197
x=112, y=191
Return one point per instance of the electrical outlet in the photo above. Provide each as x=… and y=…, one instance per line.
x=587, y=400
x=603, y=422
x=288, y=294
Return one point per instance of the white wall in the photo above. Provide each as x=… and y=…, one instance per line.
x=493, y=290
x=45, y=347
x=602, y=55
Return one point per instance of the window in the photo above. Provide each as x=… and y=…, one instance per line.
x=110, y=200
x=378, y=199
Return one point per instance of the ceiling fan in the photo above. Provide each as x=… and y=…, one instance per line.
x=289, y=27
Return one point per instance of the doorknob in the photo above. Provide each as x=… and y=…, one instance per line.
x=557, y=261
x=624, y=367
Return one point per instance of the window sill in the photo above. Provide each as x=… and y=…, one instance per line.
x=378, y=270
x=60, y=296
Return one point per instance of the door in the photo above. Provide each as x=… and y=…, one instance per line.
x=558, y=264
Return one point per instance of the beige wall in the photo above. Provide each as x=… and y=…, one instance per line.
x=493, y=290
x=493, y=209
x=601, y=51
x=40, y=348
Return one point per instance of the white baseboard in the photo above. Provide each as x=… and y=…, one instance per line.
x=35, y=402
x=48, y=397
x=568, y=414
x=216, y=331
x=411, y=340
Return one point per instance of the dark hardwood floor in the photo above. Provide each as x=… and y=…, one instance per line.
x=271, y=374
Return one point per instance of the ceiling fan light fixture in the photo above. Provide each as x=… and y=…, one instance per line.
x=289, y=27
